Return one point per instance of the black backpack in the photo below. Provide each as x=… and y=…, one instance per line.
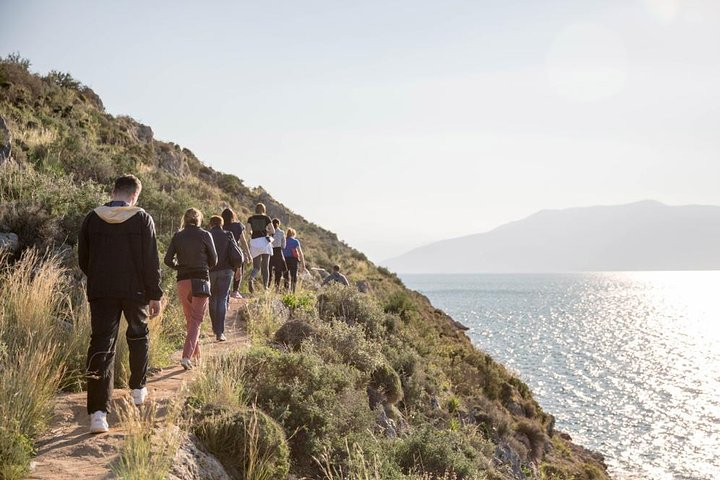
x=235, y=255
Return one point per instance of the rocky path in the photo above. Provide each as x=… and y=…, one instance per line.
x=67, y=451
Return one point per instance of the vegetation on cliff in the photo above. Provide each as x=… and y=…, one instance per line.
x=346, y=384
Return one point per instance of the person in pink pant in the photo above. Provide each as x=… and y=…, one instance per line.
x=192, y=253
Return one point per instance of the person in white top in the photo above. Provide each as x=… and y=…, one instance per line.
x=260, y=228
x=277, y=261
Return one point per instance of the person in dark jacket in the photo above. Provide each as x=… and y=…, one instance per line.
x=192, y=253
x=231, y=224
x=117, y=250
x=221, y=275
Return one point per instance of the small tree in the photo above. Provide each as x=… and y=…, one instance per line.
x=17, y=59
x=63, y=79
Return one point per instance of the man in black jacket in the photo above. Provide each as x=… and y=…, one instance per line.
x=118, y=252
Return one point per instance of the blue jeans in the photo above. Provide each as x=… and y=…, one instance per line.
x=220, y=282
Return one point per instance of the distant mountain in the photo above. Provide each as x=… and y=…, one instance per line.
x=645, y=235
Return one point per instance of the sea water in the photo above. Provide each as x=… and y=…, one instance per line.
x=629, y=363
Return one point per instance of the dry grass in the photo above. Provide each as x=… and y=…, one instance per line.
x=44, y=333
x=258, y=462
x=34, y=137
x=264, y=317
x=150, y=442
x=219, y=382
x=359, y=467
x=32, y=358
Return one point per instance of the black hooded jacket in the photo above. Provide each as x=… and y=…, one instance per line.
x=117, y=250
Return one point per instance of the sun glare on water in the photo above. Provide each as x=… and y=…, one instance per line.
x=629, y=362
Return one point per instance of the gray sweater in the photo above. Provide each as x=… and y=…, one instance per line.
x=336, y=277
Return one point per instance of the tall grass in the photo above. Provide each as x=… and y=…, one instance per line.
x=219, y=382
x=264, y=316
x=150, y=442
x=359, y=466
x=44, y=333
x=32, y=356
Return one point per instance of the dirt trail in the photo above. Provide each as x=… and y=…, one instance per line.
x=68, y=452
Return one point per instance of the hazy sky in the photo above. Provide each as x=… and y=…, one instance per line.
x=397, y=123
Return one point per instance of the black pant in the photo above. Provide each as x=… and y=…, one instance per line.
x=277, y=266
x=105, y=323
x=291, y=272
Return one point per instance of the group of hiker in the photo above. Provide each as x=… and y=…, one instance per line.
x=209, y=263
x=117, y=250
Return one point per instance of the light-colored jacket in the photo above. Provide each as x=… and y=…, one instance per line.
x=279, y=239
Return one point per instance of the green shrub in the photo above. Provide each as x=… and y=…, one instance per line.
x=304, y=300
x=401, y=303
x=521, y=387
x=249, y=444
x=231, y=184
x=453, y=404
x=476, y=372
x=339, y=342
x=44, y=209
x=62, y=79
x=293, y=332
x=317, y=403
x=387, y=382
x=401, y=356
x=439, y=452
x=16, y=451
x=352, y=307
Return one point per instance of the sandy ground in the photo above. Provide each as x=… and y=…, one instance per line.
x=67, y=451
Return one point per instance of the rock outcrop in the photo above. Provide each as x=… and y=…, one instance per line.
x=193, y=463
x=171, y=160
x=9, y=242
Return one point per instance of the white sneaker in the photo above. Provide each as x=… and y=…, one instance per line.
x=98, y=422
x=139, y=395
x=235, y=294
x=186, y=364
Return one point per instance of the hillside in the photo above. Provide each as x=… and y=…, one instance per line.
x=344, y=381
x=639, y=236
